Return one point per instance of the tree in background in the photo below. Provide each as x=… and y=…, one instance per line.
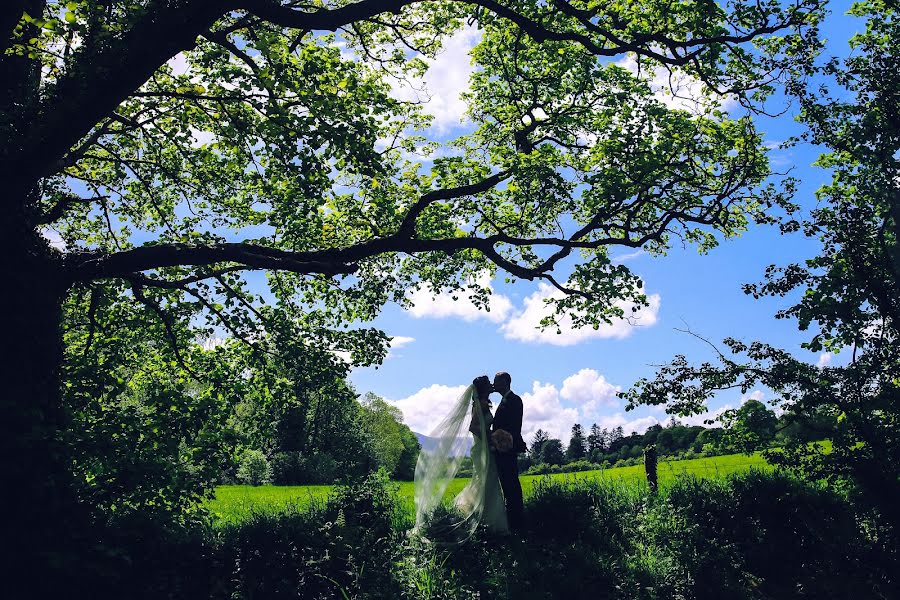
x=379, y=421
x=665, y=440
x=577, y=448
x=709, y=440
x=749, y=427
x=817, y=425
x=405, y=470
x=851, y=289
x=537, y=444
x=595, y=443
x=298, y=407
x=552, y=452
x=254, y=468
x=395, y=447
x=652, y=433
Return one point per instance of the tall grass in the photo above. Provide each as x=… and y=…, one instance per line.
x=753, y=535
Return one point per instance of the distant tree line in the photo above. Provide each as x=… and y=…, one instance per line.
x=750, y=426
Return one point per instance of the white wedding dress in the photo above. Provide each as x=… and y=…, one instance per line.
x=481, y=502
x=484, y=488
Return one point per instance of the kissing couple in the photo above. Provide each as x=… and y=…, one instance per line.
x=493, y=497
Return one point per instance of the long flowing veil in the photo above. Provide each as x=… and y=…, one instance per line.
x=437, y=467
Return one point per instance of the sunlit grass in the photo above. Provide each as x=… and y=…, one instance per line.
x=234, y=503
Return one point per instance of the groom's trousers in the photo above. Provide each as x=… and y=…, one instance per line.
x=508, y=471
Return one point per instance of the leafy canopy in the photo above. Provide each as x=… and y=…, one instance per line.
x=282, y=148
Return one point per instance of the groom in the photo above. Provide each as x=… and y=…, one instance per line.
x=508, y=417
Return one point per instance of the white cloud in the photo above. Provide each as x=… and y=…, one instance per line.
x=629, y=426
x=344, y=355
x=52, y=236
x=629, y=256
x=757, y=395
x=543, y=410
x=179, y=64
x=201, y=138
x=825, y=359
x=346, y=53
x=398, y=341
x=446, y=79
x=678, y=90
x=524, y=326
x=707, y=416
x=424, y=304
x=589, y=390
x=425, y=409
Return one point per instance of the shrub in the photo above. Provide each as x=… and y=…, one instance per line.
x=465, y=472
x=254, y=468
x=573, y=467
x=538, y=469
x=295, y=468
x=288, y=468
x=342, y=548
x=760, y=535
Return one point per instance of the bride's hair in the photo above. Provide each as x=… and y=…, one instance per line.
x=482, y=386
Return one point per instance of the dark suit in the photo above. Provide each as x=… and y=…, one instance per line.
x=508, y=417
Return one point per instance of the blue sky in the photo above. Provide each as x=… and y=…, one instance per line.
x=442, y=345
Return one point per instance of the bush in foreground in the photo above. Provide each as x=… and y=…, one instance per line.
x=753, y=536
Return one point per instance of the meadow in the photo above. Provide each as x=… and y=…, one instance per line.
x=234, y=504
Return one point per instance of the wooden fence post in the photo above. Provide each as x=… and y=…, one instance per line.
x=650, y=466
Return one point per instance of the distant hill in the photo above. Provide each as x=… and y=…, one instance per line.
x=429, y=443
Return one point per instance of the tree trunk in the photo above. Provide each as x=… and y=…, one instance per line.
x=38, y=499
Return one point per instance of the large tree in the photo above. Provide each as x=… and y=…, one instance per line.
x=850, y=290
x=276, y=152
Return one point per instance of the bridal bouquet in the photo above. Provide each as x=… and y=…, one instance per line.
x=502, y=440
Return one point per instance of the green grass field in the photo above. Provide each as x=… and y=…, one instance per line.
x=234, y=503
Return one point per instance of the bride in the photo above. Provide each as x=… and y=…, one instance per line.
x=481, y=500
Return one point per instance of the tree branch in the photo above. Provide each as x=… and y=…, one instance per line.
x=165, y=318
x=63, y=205
x=330, y=19
x=91, y=265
